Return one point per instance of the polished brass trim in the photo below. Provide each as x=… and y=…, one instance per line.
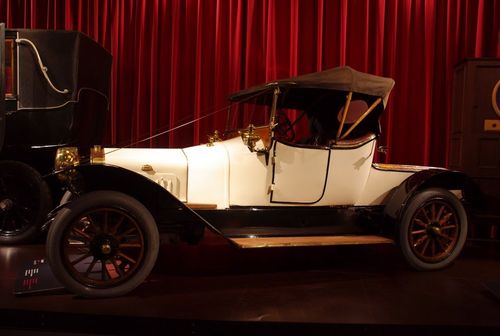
x=66, y=157
x=147, y=168
x=401, y=168
x=494, y=98
x=344, y=115
x=212, y=138
x=261, y=242
x=494, y=102
x=252, y=135
x=97, y=154
x=363, y=116
x=249, y=137
x=492, y=125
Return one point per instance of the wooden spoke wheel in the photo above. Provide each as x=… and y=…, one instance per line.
x=103, y=244
x=103, y=247
x=433, y=229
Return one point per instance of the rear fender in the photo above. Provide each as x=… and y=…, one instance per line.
x=169, y=212
x=431, y=178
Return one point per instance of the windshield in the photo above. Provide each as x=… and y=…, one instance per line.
x=252, y=111
x=310, y=116
x=292, y=124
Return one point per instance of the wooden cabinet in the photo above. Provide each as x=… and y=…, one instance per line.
x=475, y=132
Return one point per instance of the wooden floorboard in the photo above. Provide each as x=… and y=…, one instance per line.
x=258, y=242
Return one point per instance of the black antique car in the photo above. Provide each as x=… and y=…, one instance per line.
x=54, y=87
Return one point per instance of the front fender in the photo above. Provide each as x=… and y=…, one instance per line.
x=430, y=178
x=169, y=212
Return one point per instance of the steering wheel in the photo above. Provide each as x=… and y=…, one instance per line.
x=284, y=127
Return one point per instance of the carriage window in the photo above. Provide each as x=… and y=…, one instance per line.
x=10, y=69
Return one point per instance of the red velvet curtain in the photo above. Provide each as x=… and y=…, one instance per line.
x=176, y=60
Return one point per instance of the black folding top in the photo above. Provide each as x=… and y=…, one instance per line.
x=340, y=79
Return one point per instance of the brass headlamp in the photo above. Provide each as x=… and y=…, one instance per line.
x=66, y=157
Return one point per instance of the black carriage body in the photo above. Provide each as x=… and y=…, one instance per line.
x=55, y=86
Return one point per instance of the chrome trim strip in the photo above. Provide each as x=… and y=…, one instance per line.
x=402, y=168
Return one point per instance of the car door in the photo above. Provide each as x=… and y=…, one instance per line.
x=299, y=174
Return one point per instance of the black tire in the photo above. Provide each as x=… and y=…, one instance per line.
x=433, y=229
x=25, y=202
x=103, y=244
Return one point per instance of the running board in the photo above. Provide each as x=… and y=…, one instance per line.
x=258, y=242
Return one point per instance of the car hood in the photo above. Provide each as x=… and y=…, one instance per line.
x=166, y=166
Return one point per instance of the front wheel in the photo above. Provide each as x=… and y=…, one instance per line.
x=433, y=229
x=103, y=244
x=25, y=201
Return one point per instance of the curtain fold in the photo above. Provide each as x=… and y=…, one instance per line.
x=176, y=60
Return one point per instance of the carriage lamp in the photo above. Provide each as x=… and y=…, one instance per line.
x=66, y=157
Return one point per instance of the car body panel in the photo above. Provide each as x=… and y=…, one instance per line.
x=208, y=175
x=349, y=173
x=458, y=183
x=300, y=174
x=227, y=174
x=379, y=185
x=167, y=167
x=250, y=175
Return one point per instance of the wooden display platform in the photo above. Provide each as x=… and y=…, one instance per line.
x=217, y=289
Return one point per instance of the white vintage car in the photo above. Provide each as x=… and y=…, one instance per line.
x=295, y=168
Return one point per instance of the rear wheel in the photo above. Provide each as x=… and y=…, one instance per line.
x=433, y=229
x=103, y=244
x=25, y=201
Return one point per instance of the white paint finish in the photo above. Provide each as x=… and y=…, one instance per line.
x=349, y=170
x=166, y=180
x=169, y=166
x=229, y=174
x=299, y=173
x=208, y=175
x=249, y=175
x=380, y=183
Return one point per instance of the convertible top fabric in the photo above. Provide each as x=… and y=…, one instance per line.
x=340, y=79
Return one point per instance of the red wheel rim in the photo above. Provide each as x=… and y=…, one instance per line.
x=434, y=231
x=103, y=247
